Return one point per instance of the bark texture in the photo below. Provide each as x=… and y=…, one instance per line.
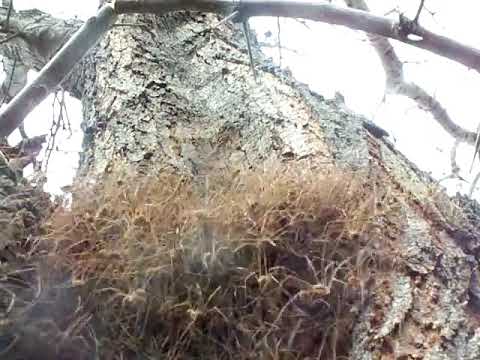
x=169, y=92
x=180, y=96
x=31, y=39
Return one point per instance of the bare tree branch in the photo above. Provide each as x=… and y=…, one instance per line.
x=56, y=70
x=246, y=31
x=396, y=83
x=419, y=11
x=276, y=45
x=9, y=14
x=63, y=62
x=428, y=103
x=57, y=123
x=33, y=37
x=23, y=133
x=317, y=11
x=453, y=159
x=225, y=19
x=455, y=169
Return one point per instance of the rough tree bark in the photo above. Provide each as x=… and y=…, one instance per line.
x=169, y=93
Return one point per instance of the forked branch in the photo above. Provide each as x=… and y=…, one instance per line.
x=353, y=18
x=395, y=83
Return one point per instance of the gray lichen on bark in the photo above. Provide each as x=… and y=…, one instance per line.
x=194, y=106
x=401, y=303
x=34, y=38
x=180, y=104
x=170, y=93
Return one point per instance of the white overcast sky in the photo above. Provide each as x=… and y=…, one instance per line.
x=333, y=59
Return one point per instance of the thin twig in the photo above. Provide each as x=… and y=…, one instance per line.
x=397, y=84
x=9, y=13
x=392, y=11
x=453, y=158
x=23, y=133
x=302, y=22
x=415, y=20
x=317, y=11
x=57, y=69
x=275, y=45
x=57, y=124
x=246, y=30
x=232, y=16
x=224, y=20
x=455, y=169
x=477, y=145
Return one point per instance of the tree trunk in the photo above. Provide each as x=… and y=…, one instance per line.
x=171, y=93
x=182, y=96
